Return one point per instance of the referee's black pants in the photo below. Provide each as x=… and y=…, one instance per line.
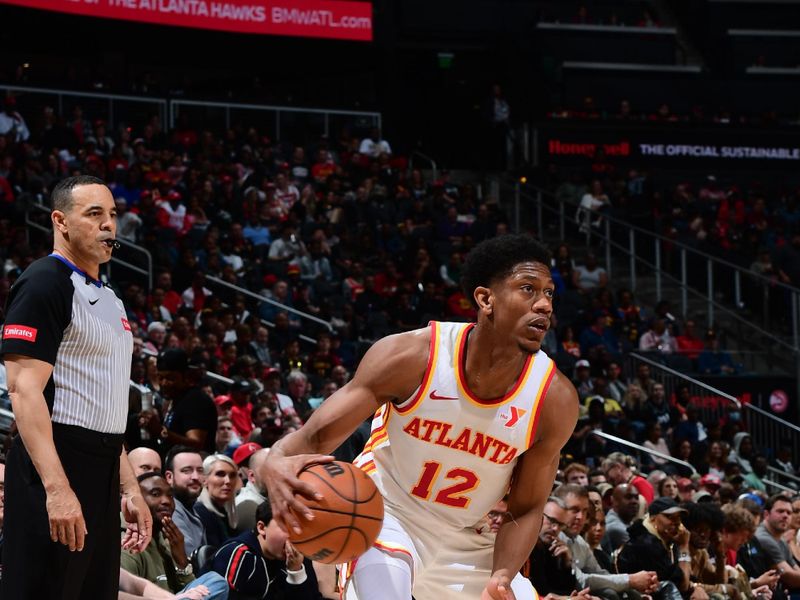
x=34, y=567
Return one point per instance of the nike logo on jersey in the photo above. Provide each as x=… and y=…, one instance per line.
x=435, y=396
x=95, y=301
x=516, y=415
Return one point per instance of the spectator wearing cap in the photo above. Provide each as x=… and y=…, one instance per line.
x=250, y=457
x=216, y=506
x=224, y=405
x=192, y=416
x=156, y=334
x=661, y=543
x=618, y=469
x=686, y=489
x=710, y=483
x=262, y=564
x=165, y=561
x=583, y=378
x=183, y=468
x=241, y=390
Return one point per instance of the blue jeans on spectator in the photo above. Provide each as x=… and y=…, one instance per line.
x=216, y=584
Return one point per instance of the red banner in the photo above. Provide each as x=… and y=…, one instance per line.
x=307, y=18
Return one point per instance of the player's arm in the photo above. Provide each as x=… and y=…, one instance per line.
x=391, y=370
x=533, y=482
x=27, y=378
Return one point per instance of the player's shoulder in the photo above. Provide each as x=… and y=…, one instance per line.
x=395, y=358
x=405, y=344
x=561, y=402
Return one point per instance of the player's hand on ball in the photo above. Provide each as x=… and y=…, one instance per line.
x=498, y=588
x=294, y=560
x=284, y=487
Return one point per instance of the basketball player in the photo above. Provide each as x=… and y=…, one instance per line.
x=466, y=412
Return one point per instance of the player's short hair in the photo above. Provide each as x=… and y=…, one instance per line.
x=702, y=512
x=169, y=460
x=61, y=198
x=263, y=514
x=494, y=259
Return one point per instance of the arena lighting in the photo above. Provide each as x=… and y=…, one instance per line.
x=334, y=19
x=523, y=180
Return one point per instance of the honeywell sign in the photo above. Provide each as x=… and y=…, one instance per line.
x=668, y=146
x=307, y=18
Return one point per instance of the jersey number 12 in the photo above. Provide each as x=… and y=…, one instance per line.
x=465, y=481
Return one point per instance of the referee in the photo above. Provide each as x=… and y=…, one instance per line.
x=67, y=347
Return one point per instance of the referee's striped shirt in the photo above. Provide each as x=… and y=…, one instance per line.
x=58, y=314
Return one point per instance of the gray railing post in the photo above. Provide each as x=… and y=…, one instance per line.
x=632, y=250
x=710, y=290
x=737, y=288
x=684, y=289
x=516, y=207
x=539, y=225
x=608, y=247
x=658, y=269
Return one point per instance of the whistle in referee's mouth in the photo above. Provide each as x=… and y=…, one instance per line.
x=112, y=244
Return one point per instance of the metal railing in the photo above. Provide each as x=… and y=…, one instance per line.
x=283, y=307
x=636, y=446
x=119, y=108
x=274, y=119
x=426, y=158
x=147, y=271
x=112, y=108
x=639, y=248
x=713, y=404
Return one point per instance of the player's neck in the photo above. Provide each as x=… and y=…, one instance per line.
x=487, y=355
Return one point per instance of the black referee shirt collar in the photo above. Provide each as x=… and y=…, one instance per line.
x=78, y=270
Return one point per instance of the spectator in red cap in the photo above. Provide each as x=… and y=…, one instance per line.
x=250, y=457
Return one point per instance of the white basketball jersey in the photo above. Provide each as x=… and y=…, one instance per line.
x=444, y=450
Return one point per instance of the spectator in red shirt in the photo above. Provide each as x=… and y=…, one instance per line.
x=242, y=407
x=688, y=343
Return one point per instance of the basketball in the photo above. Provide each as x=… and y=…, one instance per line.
x=347, y=519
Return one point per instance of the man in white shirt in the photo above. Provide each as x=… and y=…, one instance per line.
x=12, y=122
x=373, y=146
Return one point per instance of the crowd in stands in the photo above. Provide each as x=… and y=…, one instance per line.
x=698, y=114
x=342, y=230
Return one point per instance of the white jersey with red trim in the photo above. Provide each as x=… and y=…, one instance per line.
x=446, y=451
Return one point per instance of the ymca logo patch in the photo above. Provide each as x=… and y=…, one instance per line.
x=516, y=415
x=125, y=325
x=20, y=332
